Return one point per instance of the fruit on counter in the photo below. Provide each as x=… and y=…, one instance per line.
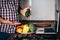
x=19, y=29
x=32, y=27
x=26, y=28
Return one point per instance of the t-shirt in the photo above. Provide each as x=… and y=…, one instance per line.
x=8, y=11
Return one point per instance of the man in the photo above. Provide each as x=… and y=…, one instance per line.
x=9, y=17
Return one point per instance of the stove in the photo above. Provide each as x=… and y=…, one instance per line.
x=27, y=38
x=24, y=37
x=32, y=37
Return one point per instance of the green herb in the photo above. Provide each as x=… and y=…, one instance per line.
x=27, y=13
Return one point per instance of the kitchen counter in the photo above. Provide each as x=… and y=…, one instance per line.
x=34, y=36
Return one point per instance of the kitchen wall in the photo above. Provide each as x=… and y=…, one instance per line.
x=42, y=10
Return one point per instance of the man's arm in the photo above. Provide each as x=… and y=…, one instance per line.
x=8, y=22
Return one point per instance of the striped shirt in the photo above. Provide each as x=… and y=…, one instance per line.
x=8, y=11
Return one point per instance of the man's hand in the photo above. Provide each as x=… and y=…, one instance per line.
x=16, y=23
x=23, y=11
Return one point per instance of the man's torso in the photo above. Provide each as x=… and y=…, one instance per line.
x=8, y=11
